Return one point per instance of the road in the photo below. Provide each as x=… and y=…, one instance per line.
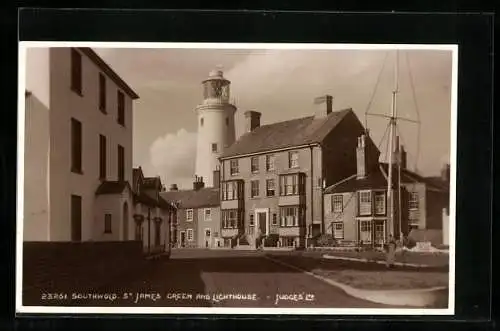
x=217, y=278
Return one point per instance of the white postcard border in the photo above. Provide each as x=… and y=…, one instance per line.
x=23, y=45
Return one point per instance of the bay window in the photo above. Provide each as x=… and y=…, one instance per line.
x=290, y=216
x=230, y=219
x=291, y=184
x=231, y=190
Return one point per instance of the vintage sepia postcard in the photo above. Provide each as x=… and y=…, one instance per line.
x=181, y=178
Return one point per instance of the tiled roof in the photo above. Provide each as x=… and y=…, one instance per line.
x=438, y=182
x=408, y=176
x=377, y=180
x=296, y=132
x=151, y=202
x=112, y=187
x=145, y=199
x=204, y=197
x=151, y=182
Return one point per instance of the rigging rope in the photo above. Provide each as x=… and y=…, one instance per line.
x=416, y=109
x=343, y=211
x=375, y=90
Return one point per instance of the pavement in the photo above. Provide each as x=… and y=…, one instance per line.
x=213, y=278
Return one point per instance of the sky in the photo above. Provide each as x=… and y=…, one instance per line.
x=281, y=84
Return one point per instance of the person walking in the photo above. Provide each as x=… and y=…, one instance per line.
x=390, y=252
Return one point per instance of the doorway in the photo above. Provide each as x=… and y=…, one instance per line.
x=183, y=239
x=208, y=238
x=262, y=221
x=125, y=221
x=380, y=232
x=365, y=231
x=76, y=218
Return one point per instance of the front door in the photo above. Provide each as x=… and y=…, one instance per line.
x=262, y=221
x=365, y=231
x=208, y=238
x=183, y=238
x=379, y=233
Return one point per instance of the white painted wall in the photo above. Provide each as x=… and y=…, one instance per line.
x=213, y=224
x=446, y=228
x=214, y=113
x=36, y=205
x=37, y=125
x=52, y=86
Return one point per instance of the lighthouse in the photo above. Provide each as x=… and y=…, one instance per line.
x=215, y=125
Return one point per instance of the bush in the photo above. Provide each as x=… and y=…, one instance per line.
x=409, y=242
x=244, y=240
x=325, y=240
x=271, y=240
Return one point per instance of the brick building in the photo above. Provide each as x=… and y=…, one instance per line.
x=198, y=214
x=356, y=207
x=272, y=177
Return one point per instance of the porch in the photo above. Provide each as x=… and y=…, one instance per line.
x=371, y=231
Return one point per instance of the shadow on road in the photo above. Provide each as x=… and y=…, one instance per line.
x=186, y=279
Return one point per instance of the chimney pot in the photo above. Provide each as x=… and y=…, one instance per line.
x=323, y=106
x=252, y=120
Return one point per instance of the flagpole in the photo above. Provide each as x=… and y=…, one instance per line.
x=392, y=131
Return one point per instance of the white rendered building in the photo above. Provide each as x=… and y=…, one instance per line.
x=78, y=137
x=215, y=125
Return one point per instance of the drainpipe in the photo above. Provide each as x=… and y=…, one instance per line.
x=312, y=192
x=321, y=188
x=149, y=230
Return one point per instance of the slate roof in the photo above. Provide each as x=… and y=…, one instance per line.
x=296, y=132
x=150, y=201
x=204, y=197
x=377, y=180
x=408, y=176
x=151, y=182
x=438, y=181
x=112, y=187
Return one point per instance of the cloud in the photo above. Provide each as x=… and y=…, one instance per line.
x=282, y=84
x=173, y=157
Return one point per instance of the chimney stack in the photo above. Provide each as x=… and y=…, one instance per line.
x=216, y=182
x=361, y=157
x=323, y=106
x=198, y=183
x=402, y=155
x=252, y=120
x=174, y=187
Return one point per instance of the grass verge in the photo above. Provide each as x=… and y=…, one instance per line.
x=386, y=279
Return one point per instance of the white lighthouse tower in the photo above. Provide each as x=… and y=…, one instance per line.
x=215, y=125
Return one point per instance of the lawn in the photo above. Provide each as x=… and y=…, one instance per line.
x=385, y=279
x=431, y=259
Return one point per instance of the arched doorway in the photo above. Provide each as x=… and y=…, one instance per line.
x=125, y=221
